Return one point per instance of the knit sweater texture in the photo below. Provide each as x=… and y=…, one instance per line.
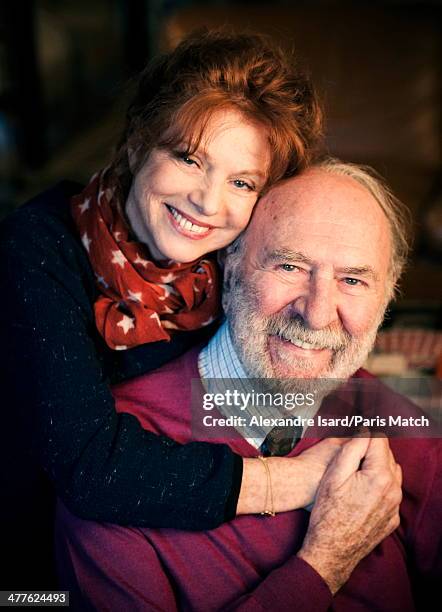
x=250, y=563
x=58, y=409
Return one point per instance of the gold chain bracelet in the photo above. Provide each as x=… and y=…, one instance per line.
x=268, y=511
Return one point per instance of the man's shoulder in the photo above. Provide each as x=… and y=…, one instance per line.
x=173, y=379
x=376, y=394
x=184, y=367
x=413, y=433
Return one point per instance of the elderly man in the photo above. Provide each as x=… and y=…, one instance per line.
x=306, y=289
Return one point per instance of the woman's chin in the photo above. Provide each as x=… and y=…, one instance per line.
x=177, y=255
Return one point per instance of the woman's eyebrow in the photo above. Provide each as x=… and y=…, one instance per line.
x=251, y=173
x=201, y=150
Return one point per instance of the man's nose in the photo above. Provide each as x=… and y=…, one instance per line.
x=318, y=304
x=207, y=198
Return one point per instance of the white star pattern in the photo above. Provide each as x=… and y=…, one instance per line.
x=155, y=316
x=86, y=242
x=134, y=297
x=85, y=206
x=120, y=347
x=169, y=325
x=168, y=278
x=118, y=258
x=126, y=323
x=167, y=310
x=168, y=290
x=141, y=261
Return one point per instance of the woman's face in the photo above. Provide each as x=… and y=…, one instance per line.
x=184, y=206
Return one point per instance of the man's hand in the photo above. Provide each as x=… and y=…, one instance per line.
x=356, y=508
x=311, y=466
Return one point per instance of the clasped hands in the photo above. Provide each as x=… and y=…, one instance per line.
x=356, y=506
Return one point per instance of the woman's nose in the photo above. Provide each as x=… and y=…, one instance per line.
x=207, y=199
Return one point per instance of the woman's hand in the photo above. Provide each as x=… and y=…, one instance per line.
x=295, y=480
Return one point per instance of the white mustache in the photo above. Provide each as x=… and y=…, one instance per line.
x=293, y=329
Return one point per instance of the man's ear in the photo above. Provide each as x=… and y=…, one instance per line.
x=228, y=259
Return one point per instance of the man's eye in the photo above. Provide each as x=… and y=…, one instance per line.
x=288, y=267
x=243, y=185
x=353, y=282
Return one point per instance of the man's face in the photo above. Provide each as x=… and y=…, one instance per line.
x=311, y=287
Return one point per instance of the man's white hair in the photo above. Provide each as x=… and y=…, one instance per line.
x=398, y=215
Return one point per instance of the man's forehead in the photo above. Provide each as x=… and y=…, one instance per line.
x=319, y=186
x=321, y=216
x=321, y=196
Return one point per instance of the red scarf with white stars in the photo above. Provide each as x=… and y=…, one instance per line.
x=139, y=302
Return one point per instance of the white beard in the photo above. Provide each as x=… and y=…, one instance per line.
x=250, y=332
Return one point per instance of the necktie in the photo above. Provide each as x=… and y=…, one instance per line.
x=280, y=441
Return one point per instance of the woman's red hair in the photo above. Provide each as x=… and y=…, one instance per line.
x=178, y=92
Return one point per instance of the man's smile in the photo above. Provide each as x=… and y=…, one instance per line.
x=297, y=348
x=300, y=343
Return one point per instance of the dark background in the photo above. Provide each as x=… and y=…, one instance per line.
x=64, y=68
x=65, y=65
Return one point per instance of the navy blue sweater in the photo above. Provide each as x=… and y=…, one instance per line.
x=59, y=412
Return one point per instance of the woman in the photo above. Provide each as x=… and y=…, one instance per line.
x=104, y=284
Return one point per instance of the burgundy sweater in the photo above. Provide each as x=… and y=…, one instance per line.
x=249, y=563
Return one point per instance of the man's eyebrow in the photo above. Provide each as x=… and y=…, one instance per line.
x=290, y=256
x=365, y=271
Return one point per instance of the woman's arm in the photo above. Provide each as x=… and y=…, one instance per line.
x=103, y=464
x=294, y=480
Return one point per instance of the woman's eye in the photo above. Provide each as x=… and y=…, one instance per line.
x=243, y=185
x=185, y=158
x=188, y=160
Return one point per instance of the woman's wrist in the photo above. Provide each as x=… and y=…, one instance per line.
x=288, y=481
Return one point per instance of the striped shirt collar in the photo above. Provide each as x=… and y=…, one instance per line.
x=219, y=358
x=220, y=368
x=218, y=363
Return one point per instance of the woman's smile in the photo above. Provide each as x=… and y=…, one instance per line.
x=188, y=226
x=182, y=205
